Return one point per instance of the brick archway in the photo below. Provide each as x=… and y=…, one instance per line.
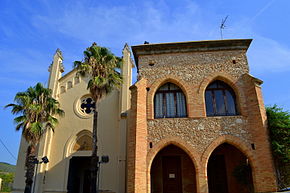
x=235, y=142
x=154, y=86
x=218, y=76
x=191, y=152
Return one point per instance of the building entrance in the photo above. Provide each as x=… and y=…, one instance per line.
x=172, y=171
x=171, y=174
x=79, y=175
x=229, y=170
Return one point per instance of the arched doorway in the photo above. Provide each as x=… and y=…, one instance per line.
x=229, y=170
x=172, y=171
x=79, y=176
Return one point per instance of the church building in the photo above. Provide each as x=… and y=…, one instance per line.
x=194, y=122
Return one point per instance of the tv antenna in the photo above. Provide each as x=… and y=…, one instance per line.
x=222, y=26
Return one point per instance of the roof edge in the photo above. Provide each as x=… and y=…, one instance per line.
x=190, y=46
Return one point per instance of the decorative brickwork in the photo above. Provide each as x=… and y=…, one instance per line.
x=185, y=65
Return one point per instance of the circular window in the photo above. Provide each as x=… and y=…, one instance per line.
x=87, y=105
x=84, y=107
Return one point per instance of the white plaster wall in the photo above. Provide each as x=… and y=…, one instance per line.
x=70, y=125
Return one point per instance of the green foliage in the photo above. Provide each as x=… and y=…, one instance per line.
x=35, y=109
x=279, y=128
x=102, y=66
x=7, y=181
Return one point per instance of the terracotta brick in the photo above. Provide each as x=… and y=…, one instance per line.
x=198, y=135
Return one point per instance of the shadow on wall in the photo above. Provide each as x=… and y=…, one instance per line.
x=70, y=175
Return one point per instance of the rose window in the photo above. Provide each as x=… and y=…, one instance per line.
x=88, y=105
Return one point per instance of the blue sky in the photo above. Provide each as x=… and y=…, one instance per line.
x=31, y=31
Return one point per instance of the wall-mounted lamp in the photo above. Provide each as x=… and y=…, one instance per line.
x=37, y=162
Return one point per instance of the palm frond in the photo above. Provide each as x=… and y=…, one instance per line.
x=36, y=107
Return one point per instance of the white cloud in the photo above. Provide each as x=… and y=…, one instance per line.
x=267, y=55
x=156, y=21
x=262, y=10
x=136, y=22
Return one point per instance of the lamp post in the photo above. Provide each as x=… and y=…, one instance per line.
x=36, y=161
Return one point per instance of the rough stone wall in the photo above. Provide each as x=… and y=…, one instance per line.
x=199, y=134
x=192, y=67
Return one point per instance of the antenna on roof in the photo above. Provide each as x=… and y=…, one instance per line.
x=222, y=26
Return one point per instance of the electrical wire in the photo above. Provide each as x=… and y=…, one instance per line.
x=7, y=149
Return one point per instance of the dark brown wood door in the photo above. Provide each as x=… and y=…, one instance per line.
x=217, y=174
x=172, y=182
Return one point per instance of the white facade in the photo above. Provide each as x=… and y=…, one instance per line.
x=73, y=134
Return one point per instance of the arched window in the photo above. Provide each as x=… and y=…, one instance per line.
x=220, y=99
x=169, y=101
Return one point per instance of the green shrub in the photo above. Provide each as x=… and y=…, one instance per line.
x=279, y=131
x=7, y=181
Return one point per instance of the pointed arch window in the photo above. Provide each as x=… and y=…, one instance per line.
x=220, y=99
x=169, y=102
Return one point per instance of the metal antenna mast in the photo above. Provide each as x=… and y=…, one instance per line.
x=222, y=26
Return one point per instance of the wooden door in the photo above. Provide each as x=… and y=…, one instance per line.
x=217, y=174
x=172, y=182
x=87, y=181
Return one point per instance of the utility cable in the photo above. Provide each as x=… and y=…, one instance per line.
x=7, y=149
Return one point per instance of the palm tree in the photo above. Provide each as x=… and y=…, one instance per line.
x=101, y=65
x=35, y=109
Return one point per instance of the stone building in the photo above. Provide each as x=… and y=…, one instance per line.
x=193, y=122
x=196, y=115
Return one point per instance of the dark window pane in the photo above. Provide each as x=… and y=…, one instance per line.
x=221, y=84
x=209, y=103
x=87, y=105
x=220, y=103
x=158, y=105
x=213, y=85
x=180, y=101
x=173, y=87
x=223, y=102
x=170, y=105
x=89, y=100
x=164, y=87
x=231, y=107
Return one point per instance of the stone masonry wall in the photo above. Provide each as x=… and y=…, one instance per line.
x=192, y=67
x=197, y=134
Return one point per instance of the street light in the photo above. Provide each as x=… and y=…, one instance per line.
x=36, y=162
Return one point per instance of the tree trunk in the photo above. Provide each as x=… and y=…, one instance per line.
x=29, y=168
x=282, y=172
x=94, y=160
